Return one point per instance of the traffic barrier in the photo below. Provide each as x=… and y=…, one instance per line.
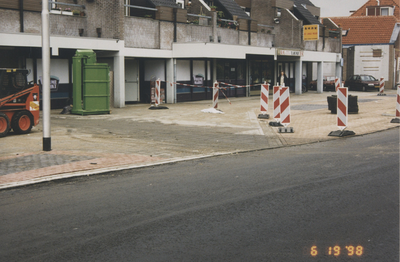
x=264, y=101
x=215, y=95
x=157, y=96
x=397, y=119
x=342, y=104
x=277, y=106
x=158, y=92
x=342, y=113
x=337, y=83
x=285, y=106
x=381, y=87
x=285, y=110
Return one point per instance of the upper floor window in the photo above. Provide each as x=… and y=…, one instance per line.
x=379, y=11
x=385, y=11
x=377, y=53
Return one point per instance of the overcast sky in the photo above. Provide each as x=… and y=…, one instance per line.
x=337, y=7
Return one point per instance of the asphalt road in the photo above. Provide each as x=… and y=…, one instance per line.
x=273, y=205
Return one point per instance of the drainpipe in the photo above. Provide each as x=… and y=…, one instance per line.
x=249, y=29
x=175, y=11
x=21, y=16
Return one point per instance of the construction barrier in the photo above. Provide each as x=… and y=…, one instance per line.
x=158, y=92
x=277, y=104
x=342, y=113
x=398, y=102
x=342, y=104
x=397, y=119
x=285, y=106
x=381, y=86
x=264, y=101
x=157, y=95
x=337, y=83
x=215, y=95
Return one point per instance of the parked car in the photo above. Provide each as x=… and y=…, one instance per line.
x=327, y=84
x=362, y=83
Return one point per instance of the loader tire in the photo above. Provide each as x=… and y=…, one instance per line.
x=22, y=122
x=4, y=124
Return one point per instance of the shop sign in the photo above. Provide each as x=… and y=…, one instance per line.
x=310, y=32
x=290, y=52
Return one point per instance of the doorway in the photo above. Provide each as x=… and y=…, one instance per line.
x=132, y=93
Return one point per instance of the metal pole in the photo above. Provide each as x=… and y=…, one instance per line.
x=46, y=76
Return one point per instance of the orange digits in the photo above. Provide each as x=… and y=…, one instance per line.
x=314, y=251
x=351, y=250
x=359, y=250
x=337, y=250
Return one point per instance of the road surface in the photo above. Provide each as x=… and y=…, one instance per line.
x=330, y=201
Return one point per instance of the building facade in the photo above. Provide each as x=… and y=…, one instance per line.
x=243, y=42
x=371, y=42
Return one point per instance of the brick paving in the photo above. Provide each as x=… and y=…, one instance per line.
x=135, y=136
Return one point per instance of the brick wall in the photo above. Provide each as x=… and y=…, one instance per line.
x=9, y=20
x=288, y=32
x=262, y=11
x=142, y=32
x=105, y=14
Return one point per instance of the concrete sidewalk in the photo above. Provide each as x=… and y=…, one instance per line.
x=135, y=136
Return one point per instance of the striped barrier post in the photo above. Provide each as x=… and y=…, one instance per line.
x=285, y=110
x=277, y=104
x=342, y=108
x=285, y=106
x=397, y=119
x=215, y=95
x=342, y=113
x=156, y=96
x=381, y=87
x=337, y=83
x=264, y=101
x=157, y=92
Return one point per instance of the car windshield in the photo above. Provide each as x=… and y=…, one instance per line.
x=367, y=78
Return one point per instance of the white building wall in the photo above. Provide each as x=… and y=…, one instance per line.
x=182, y=70
x=365, y=63
x=329, y=70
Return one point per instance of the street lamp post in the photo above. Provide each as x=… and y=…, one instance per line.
x=46, y=76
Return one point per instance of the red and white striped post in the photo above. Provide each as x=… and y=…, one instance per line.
x=215, y=95
x=337, y=83
x=342, y=113
x=264, y=101
x=342, y=108
x=397, y=119
x=381, y=86
x=285, y=106
x=277, y=104
x=157, y=92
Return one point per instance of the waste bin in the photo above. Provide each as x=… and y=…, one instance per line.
x=352, y=107
x=91, y=84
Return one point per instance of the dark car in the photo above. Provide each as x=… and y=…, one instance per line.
x=362, y=83
x=327, y=84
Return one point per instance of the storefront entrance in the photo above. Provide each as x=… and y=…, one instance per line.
x=232, y=72
x=261, y=69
